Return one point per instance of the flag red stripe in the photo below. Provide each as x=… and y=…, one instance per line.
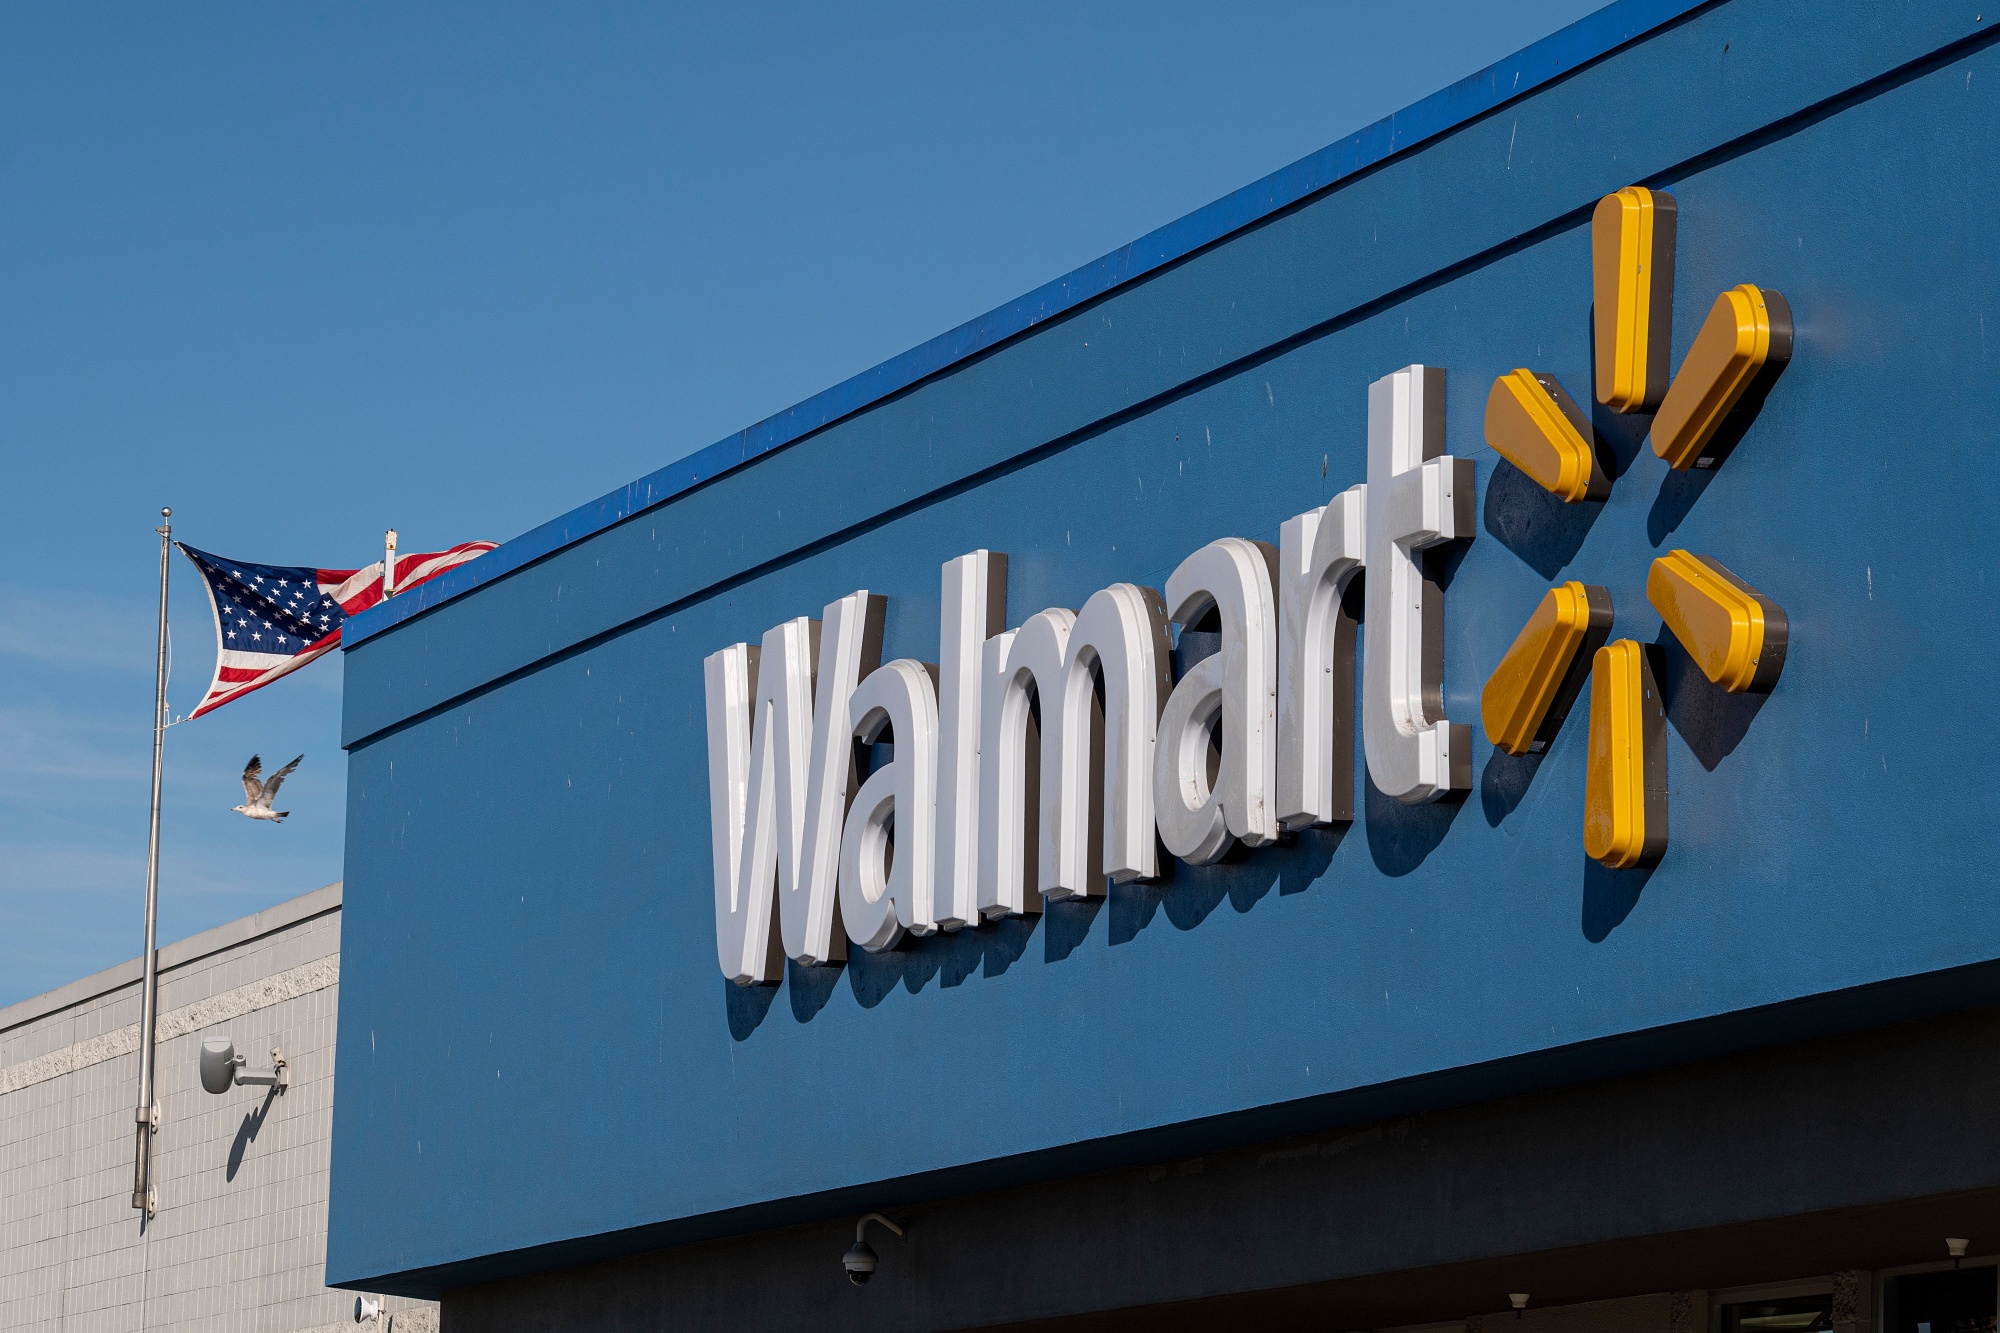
x=237, y=673
x=221, y=693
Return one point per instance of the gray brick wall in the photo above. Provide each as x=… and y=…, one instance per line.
x=239, y=1242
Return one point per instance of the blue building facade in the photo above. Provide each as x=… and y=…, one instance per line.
x=1381, y=1071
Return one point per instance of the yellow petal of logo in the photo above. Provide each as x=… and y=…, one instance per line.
x=1736, y=635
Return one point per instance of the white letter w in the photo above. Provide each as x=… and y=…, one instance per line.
x=780, y=775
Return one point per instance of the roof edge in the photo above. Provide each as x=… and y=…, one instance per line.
x=180, y=953
x=1561, y=52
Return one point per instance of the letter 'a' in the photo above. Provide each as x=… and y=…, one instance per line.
x=886, y=852
x=1233, y=692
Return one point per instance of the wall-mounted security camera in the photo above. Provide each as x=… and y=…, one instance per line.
x=222, y=1068
x=861, y=1259
x=368, y=1309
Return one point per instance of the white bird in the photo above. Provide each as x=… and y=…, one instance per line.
x=257, y=794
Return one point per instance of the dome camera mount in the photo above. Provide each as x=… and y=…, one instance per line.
x=860, y=1259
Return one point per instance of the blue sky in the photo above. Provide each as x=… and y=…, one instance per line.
x=307, y=272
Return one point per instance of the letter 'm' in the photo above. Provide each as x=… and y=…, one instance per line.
x=1105, y=761
x=1015, y=762
x=1094, y=787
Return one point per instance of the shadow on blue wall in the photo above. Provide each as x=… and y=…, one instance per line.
x=746, y=1006
x=1609, y=897
x=1065, y=924
x=1401, y=837
x=1711, y=720
x=1676, y=500
x=948, y=958
x=1242, y=878
x=1680, y=490
x=810, y=987
x=1534, y=524
x=1187, y=897
x=1620, y=436
x=1504, y=783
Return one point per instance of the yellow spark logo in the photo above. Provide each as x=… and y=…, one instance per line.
x=1732, y=632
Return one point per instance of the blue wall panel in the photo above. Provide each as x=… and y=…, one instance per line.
x=535, y=1042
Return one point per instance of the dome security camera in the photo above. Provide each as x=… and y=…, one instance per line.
x=860, y=1260
x=860, y=1263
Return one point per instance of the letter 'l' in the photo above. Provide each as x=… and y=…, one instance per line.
x=1418, y=497
x=972, y=609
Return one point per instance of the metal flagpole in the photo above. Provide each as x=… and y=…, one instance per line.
x=147, y=1113
x=388, y=564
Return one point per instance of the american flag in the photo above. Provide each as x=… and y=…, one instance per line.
x=270, y=620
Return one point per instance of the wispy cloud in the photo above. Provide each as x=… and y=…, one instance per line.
x=45, y=751
x=76, y=731
x=71, y=903
x=76, y=631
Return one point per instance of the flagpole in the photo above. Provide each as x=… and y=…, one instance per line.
x=388, y=564
x=147, y=1113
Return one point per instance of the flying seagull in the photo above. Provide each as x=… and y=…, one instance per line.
x=257, y=793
